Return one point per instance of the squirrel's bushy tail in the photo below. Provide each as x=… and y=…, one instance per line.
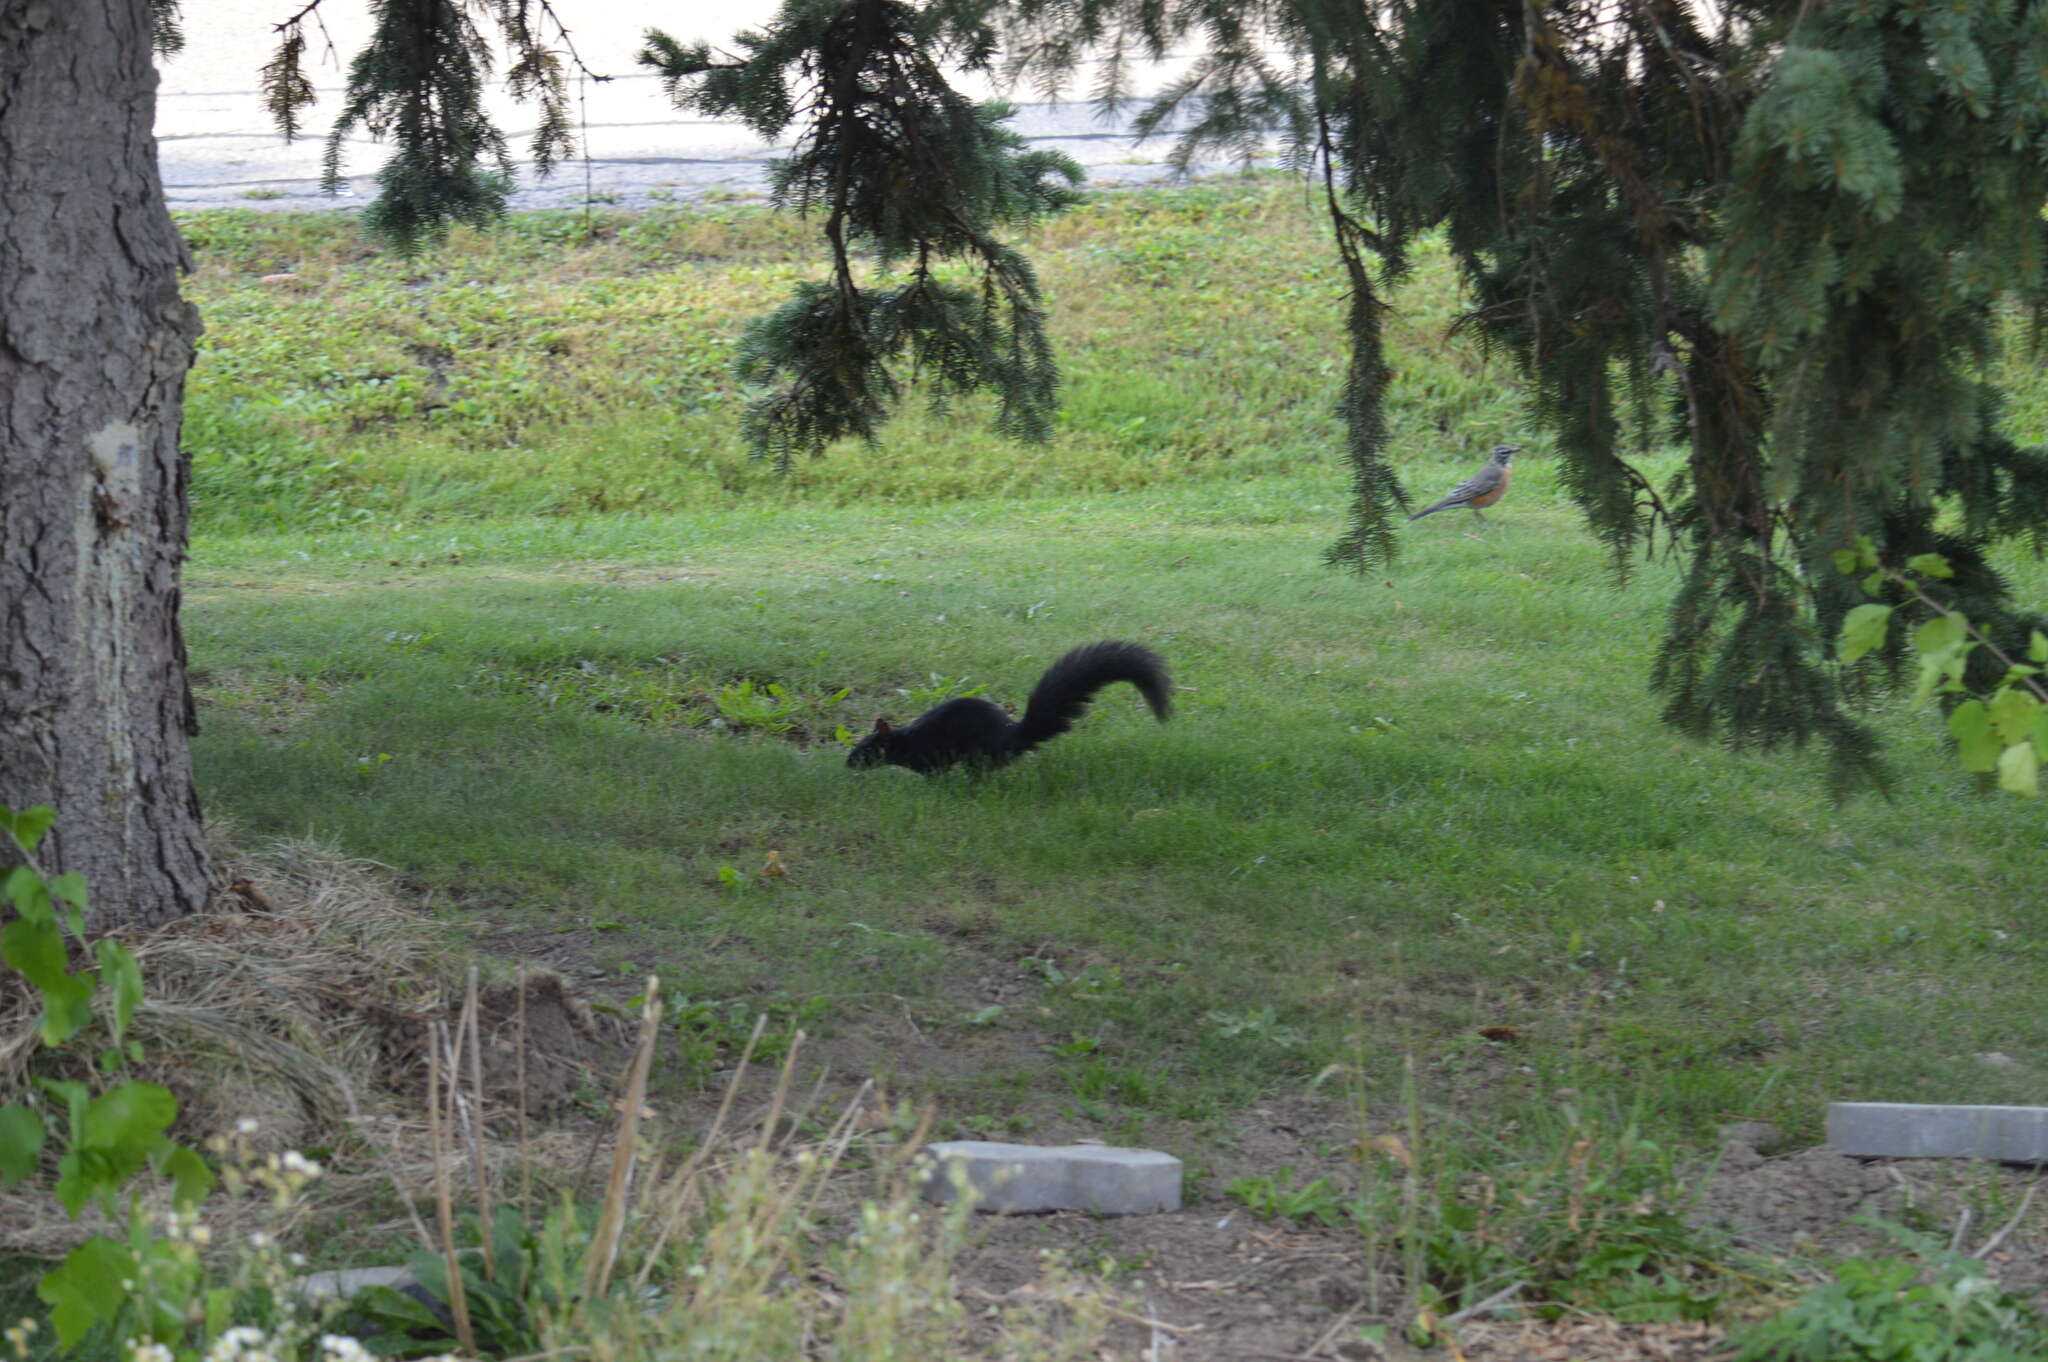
x=1062, y=694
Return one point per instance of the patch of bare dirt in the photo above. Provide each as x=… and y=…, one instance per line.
x=1819, y=1203
x=1209, y=1282
x=540, y=1042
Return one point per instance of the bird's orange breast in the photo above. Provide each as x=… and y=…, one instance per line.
x=1493, y=493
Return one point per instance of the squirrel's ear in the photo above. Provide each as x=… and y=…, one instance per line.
x=882, y=729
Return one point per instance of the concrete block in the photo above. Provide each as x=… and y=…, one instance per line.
x=1030, y=1177
x=343, y=1283
x=1934, y=1130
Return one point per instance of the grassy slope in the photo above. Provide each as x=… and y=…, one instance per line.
x=1399, y=809
x=520, y=373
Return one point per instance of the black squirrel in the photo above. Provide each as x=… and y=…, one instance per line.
x=979, y=733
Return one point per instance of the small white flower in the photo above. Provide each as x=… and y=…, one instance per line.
x=342, y=1348
x=248, y=1125
x=201, y=1235
x=243, y=1343
x=295, y=1259
x=259, y=1240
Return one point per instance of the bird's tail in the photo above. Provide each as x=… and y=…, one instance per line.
x=1432, y=510
x=1062, y=695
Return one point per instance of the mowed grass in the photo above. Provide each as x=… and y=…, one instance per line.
x=540, y=371
x=1389, y=812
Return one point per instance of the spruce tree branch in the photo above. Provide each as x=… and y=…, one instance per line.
x=842, y=100
x=1349, y=230
x=310, y=7
x=562, y=31
x=312, y=10
x=1685, y=63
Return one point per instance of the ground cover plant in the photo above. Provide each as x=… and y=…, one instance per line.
x=484, y=588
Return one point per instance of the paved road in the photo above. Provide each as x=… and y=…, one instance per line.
x=218, y=146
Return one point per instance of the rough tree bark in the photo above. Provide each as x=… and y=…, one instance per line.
x=95, y=710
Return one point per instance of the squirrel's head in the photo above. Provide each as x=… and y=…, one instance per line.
x=873, y=750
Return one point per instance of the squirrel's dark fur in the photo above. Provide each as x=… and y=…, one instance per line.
x=978, y=733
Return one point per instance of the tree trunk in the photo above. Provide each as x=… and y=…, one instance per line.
x=95, y=709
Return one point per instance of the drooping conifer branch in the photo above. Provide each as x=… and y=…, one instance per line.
x=904, y=167
x=420, y=81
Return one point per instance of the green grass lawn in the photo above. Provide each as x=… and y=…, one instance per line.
x=483, y=588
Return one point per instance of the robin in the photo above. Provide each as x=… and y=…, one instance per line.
x=1483, y=488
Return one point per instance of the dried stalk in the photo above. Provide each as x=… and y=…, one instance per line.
x=471, y=1006
x=611, y=1221
x=458, y=1298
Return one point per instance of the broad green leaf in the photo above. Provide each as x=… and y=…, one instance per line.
x=191, y=1179
x=67, y=1009
x=1970, y=724
x=1846, y=561
x=81, y=1175
x=2040, y=730
x=1863, y=629
x=21, y=1142
x=1941, y=633
x=113, y=1137
x=128, y=1115
x=2019, y=770
x=73, y=1095
x=2012, y=713
x=1932, y=671
x=36, y=949
x=92, y=1173
x=123, y=977
x=30, y=897
x=1930, y=565
x=2037, y=647
x=29, y=825
x=87, y=1288
x=1873, y=585
x=395, y=1310
x=70, y=887
x=220, y=1311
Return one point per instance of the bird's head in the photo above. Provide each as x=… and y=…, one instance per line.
x=1502, y=453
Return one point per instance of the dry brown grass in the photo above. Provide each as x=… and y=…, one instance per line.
x=303, y=1000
